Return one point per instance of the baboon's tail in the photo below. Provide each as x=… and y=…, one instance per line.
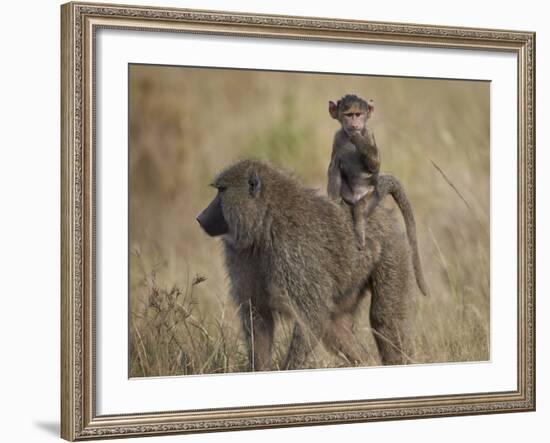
x=388, y=184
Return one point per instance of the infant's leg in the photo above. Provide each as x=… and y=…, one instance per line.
x=371, y=201
x=361, y=211
x=359, y=221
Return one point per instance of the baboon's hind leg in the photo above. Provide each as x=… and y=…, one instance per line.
x=389, y=318
x=340, y=338
x=298, y=349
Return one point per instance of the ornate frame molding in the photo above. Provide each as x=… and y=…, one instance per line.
x=79, y=420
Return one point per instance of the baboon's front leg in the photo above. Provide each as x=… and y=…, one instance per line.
x=258, y=325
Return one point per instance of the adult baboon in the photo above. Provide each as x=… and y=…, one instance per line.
x=291, y=251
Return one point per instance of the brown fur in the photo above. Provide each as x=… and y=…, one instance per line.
x=353, y=174
x=291, y=251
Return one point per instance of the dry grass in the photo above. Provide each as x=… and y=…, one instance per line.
x=187, y=124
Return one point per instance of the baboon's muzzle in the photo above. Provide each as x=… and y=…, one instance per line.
x=211, y=219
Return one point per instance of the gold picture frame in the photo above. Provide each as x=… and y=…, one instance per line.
x=80, y=21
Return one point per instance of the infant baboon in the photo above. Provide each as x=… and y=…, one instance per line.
x=291, y=251
x=353, y=173
x=355, y=160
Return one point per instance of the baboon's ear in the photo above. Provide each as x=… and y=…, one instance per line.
x=370, y=107
x=333, y=110
x=254, y=184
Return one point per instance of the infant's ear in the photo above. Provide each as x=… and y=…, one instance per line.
x=370, y=107
x=333, y=110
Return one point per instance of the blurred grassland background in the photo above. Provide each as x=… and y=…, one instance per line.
x=186, y=124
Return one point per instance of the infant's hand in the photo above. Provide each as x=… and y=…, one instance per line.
x=369, y=136
x=356, y=137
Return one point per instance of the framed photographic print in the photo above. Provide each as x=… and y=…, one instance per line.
x=281, y=221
